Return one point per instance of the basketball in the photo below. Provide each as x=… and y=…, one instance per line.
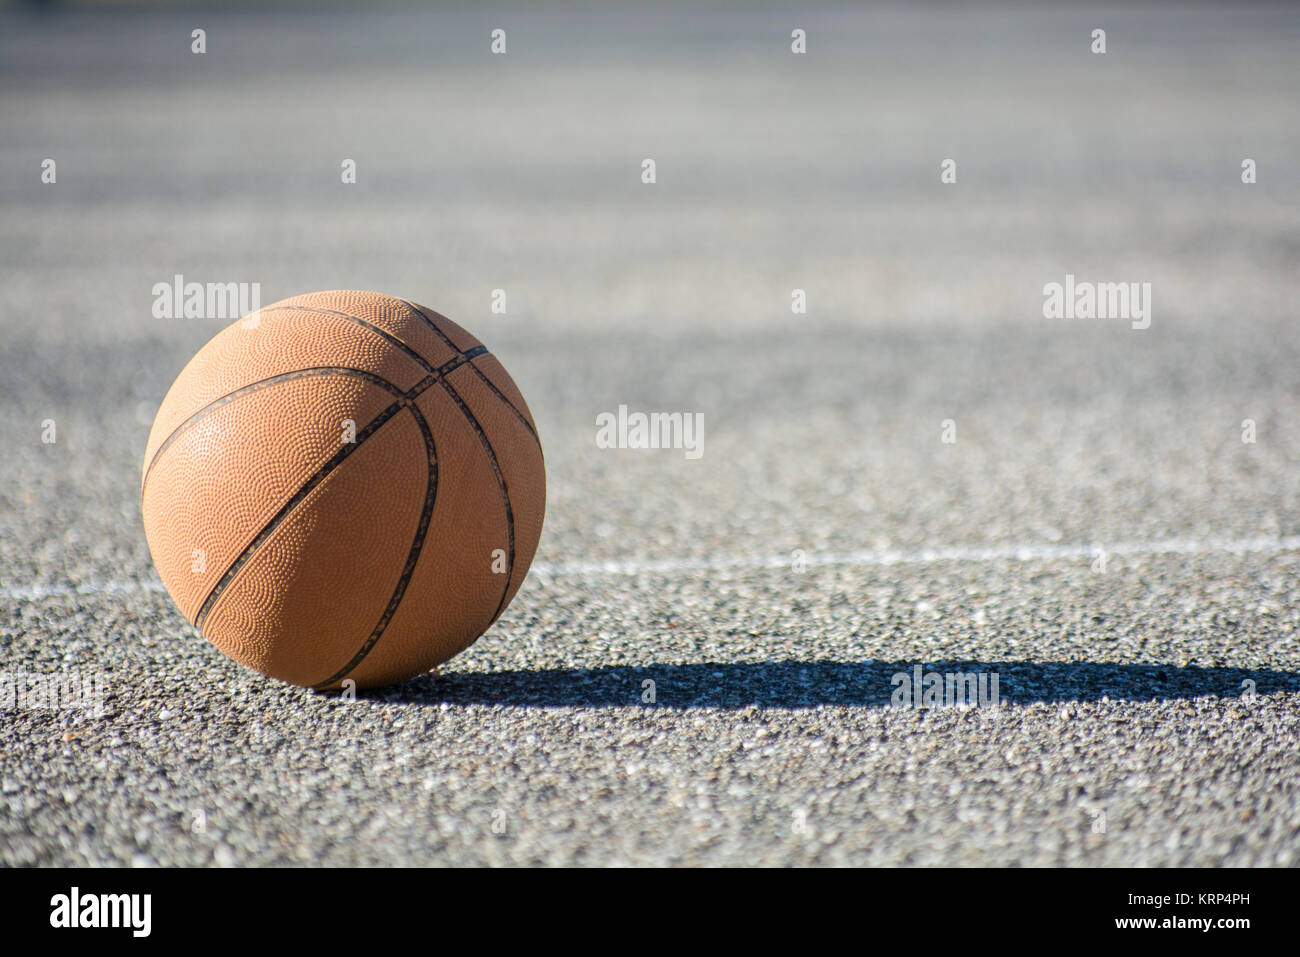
x=343, y=486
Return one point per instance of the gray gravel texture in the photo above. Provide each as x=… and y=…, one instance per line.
x=1151, y=702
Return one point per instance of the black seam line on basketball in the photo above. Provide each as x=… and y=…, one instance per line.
x=501, y=482
x=486, y=381
x=404, y=399
x=424, y=363
x=306, y=489
x=286, y=377
x=412, y=558
x=430, y=323
x=255, y=387
x=509, y=405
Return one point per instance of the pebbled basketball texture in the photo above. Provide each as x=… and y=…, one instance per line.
x=343, y=485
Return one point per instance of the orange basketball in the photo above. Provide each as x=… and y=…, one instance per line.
x=343, y=485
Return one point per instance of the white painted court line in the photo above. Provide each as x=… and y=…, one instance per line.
x=974, y=555
x=37, y=592
x=996, y=553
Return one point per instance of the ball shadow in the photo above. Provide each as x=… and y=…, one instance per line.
x=811, y=684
